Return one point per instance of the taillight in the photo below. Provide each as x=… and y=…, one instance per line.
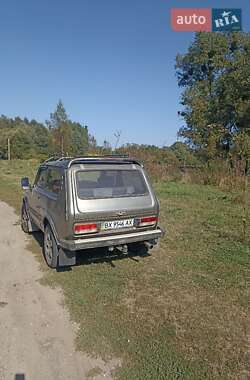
x=85, y=228
x=148, y=221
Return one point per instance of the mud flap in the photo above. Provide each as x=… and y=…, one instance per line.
x=66, y=258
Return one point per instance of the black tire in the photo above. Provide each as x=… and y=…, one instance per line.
x=50, y=248
x=24, y=219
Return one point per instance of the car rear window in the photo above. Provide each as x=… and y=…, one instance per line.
x=98, y=184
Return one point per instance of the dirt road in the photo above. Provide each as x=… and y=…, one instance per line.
x=36, y=335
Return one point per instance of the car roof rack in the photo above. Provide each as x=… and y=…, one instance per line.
x=111, y=158
x=122, y=159
x=103, y=159
x=56, y=159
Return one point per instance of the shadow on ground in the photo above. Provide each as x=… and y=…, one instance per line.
x=19, y=376
x=99, y=255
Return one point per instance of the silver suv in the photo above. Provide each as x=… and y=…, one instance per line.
x=90, y=202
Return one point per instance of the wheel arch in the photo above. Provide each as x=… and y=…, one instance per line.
x=48, y=221
x=25, y=203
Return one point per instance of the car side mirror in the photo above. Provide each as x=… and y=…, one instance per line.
x=25, y=183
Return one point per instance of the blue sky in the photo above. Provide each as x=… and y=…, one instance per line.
x=111, y=62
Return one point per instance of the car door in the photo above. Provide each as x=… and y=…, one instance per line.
x=38, y=196
x=55, y=202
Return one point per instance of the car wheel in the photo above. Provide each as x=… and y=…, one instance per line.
x=50, y=248
x=24, y=219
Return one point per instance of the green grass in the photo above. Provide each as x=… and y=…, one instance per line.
x=181, y=313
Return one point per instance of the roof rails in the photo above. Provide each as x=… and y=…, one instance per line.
x=56, y=158
x=115, y=158
x=53, y=158
x=109, y=159
x=62, y=158
x=103, y=156
x=126, y=155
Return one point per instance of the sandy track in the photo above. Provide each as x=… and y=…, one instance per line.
x=36, y=335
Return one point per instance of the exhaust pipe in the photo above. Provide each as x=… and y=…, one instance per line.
x=150, y=244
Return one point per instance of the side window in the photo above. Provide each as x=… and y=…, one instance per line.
x=54, y=180
x=41, y=180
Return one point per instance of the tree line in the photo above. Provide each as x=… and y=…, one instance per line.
x=60, y=136
x=31, y=139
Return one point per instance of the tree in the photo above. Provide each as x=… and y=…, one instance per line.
x=60, y=131
x=21, y=144
x=183, y=153
x=79, y=139
x=92, y=143
x=66, y=137
x=58, y=117
x=215, y=77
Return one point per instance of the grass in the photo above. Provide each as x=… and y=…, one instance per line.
x=181, y=313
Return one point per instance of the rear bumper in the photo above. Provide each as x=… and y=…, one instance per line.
x=107, y=241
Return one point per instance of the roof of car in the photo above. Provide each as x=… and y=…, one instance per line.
x=67, y=162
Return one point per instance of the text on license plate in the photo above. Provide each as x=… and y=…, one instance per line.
x=115, y=224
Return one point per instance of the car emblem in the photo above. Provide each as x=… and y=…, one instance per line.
x=120, y=213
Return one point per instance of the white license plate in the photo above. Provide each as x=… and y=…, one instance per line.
x=116, y=224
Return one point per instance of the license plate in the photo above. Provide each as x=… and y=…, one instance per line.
x=116, y=224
